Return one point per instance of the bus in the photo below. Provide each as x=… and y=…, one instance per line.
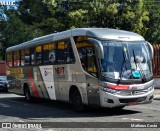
x=100, y=67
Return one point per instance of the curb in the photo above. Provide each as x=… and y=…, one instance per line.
x=156, y=97
x=157, y=94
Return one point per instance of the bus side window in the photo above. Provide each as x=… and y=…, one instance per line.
x=22, y=57
x=65, y=52
x=9, y=59
x=91, y=60
x=38, y=55
x=86, y=54
x=62, y=51
x=27, y=59
x=49, y=53
x=70, y=58
x=32, y=56
x=16, y=59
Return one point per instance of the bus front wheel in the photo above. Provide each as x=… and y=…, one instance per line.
x=76, y=101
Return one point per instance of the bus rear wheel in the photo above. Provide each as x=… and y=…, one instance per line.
x=27, y=94
x=76, y=101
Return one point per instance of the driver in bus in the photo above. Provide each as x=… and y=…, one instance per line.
x=139, y=58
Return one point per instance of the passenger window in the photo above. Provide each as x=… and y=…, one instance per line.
x=70, y=57
x=9, y=59
x=16, y=59
x=22, y=57
x=32, y=56
x=27, y=59
x=38, y=55
x=65, y=52
x=62, y=52
x=86, y=54
x=91, y=60
x=49, y=53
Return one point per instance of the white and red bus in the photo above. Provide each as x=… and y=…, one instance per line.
x=85, y=66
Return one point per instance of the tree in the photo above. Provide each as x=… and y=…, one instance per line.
x=153, y=32
x=13, y=31
x=128, y=15
x=33, y=18
x=36, y=13
x=103, y=13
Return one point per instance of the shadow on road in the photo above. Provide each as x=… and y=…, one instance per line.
x=18, y=107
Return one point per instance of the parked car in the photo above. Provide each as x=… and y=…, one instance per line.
x=3, y=83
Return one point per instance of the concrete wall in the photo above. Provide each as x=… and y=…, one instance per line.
x=157, y=82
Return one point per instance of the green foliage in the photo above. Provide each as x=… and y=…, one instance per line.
x=78, y=18
x=103, y=13
x=141, y=16
x=33, y=18
x=153, y=32
x=13, y=31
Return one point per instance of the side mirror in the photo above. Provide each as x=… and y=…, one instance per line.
x=98, y=47
x=151, y=51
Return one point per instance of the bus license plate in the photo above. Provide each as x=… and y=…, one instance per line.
x=132, y=103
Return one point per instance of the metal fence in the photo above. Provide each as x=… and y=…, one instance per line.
x=156, y=61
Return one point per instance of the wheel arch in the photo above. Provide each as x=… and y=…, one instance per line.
x=72, y=89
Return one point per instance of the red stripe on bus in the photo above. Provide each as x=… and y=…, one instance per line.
x=35, y=92
x=120, y=87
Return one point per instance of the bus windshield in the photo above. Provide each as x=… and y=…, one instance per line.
x=126, y=60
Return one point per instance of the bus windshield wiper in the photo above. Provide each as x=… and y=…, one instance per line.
x=124, y=62
x=140, y=67
x=134, y=57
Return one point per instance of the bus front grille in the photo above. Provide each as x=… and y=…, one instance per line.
x=141, y=99
x=129, y=93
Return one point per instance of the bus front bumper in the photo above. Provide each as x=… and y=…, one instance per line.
x=113, y=100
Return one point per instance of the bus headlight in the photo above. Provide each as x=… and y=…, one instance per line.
x=115, y=88
x=109, y=90
x=150, y=88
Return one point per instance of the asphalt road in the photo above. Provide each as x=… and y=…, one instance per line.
x=14, y=108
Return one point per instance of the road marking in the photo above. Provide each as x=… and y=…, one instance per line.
x=19, y=102
x=21, y=121
x=10, y=95
x=11, y=101
x=132, y=119
x=14, y=101
x=4, y=105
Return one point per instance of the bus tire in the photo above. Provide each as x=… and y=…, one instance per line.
x=76, y=101
x=27, y=94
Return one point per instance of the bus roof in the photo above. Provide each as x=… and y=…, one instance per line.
x=99, y=33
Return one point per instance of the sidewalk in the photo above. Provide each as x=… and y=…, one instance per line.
x=157, y=94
